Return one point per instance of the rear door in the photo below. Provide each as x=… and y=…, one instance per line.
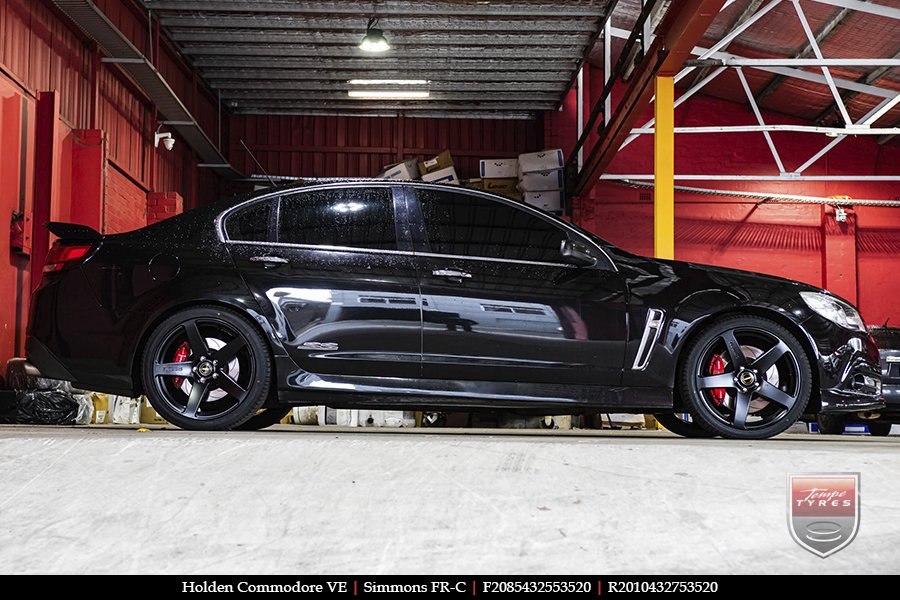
x=498, y=302
x=330, y=270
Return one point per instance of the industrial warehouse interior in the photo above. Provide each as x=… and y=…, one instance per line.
x=449, y=296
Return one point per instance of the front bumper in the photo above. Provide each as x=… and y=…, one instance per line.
x=849, y=373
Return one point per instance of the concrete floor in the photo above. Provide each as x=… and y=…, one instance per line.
x=319, y=500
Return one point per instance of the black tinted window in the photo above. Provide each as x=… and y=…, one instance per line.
x=250, y=224
x=471, y=226
x=354, y=217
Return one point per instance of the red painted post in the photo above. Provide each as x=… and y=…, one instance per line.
x=88, y=178
x=46, y=175
x=839, y=252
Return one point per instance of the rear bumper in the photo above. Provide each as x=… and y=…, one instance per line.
x=45, y=361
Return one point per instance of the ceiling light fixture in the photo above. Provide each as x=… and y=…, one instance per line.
x=374, y=40
x=388, y=94
x=388, y=82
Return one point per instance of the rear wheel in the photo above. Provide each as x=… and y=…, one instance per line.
x=879, y=429
x=206, y=368
x=831, y=424
x=745, y=378
x=680, y=426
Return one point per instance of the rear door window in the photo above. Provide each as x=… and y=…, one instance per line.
x=351, y=218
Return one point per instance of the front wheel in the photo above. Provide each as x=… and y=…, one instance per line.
x=207, y=368
x=831, y=424
x=745, y=377
x=683, y=427
x=879, y=429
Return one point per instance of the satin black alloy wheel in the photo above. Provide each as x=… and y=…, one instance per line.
x=679, y=426
x=831, y=424
x=265, y=417
x=879, y=428
x=206, y=368
x=746, y=378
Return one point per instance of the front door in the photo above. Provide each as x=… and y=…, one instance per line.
x=332, y=279
x=498, y=302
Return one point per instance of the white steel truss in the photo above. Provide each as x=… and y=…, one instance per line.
x=788, y=67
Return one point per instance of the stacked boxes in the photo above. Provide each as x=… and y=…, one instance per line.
x=541, y=178
x=408, y=169
x=439, y=169
x=500, y=176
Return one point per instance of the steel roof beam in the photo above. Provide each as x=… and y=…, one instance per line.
x=436, y=96
x=822, y=36
x=795, y=62
x=350, y=105
x=737, y=22
x=510, y=87
x=362, y=64
x=846, y=96
x=872, y=8
x=385, y=8
x=452, y=75
x=357, y=23
x=343, y=51
x=447, y=114
x=321, y=38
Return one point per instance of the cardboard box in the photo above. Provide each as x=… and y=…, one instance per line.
x=499, y=186
x=447, y=175
x=438, y=163
x=539, y=181
x=473, y=184
x=149, y=414
x=408, y=169
x=499, y=168
x=550, y=201
x=546, y=160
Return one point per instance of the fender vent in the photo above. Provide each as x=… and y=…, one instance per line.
x=652, y=329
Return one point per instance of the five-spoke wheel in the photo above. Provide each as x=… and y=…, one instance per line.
x=746, y=377
x=206, y=368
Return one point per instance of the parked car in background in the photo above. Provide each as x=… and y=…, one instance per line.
x=888, y=341
x=414, y=296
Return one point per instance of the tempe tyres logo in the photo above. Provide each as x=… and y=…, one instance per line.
x=823, y=510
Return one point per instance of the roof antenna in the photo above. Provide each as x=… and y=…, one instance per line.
x=269, y=177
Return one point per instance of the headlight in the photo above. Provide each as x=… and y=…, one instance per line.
x=836, y=311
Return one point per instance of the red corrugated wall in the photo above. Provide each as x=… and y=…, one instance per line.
x=315, y=146
x=785, y=240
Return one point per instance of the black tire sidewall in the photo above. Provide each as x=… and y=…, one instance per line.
x=271, y=415
x=881, y=428
x=680, y=427
x=703, y=415
x=831, y=424
x=258, y=392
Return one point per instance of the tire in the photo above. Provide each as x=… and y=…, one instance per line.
x=745, y=377
x=831, y=424
x=189, y=388
x=879, y=428
x=265, y=417
x=679, y=426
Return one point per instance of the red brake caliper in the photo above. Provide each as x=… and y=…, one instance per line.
x=717, y=367
x=181, y=355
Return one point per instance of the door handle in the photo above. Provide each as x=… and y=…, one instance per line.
x=269, y=261
x=452, y=275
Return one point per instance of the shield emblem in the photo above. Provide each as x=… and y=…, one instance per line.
x=823, y=510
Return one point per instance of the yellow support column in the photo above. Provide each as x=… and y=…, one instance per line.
x=664, y=169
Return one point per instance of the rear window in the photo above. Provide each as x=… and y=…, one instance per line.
x=351, y=218
x=250, y=224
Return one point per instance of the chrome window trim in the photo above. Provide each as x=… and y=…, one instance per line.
x=396, y=252
x=220, y=231
x=653, y=326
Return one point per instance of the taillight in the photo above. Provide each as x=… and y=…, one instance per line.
x=61, y=254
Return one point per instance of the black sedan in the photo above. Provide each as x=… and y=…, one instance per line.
x=414, y=296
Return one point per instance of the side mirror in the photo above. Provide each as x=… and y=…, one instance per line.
x=576, y=253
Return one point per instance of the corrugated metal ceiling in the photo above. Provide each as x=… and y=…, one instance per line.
x=482, y=58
